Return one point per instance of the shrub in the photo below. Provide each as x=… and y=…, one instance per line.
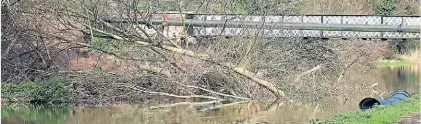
x=52, y=90
x=385, y=7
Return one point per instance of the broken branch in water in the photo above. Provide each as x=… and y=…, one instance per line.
x=218, y=93
x=220, y=106
x=167, y=94
x=185, y=103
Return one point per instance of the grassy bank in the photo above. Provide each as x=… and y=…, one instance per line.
x=377, y=115
x=409, y=58
x=386, y=62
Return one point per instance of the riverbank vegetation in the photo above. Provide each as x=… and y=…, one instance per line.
x=411, y=55
x=103, y=63
x=401, y=53
x=207, y=81
x=378, y=115
x=53, y=90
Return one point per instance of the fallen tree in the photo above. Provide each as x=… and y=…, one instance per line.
x=110, y=62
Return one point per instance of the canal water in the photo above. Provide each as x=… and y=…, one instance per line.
x=390, y=80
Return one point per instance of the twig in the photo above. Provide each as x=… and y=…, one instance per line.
x=374, y=85
x=168, y=60
x=307, y=72
x=9, y=47
x=182, y=20
x=343, y=71
x=138, y=26
x=155, y=70
x=162, y=35
x=144, y=67
x=313, y=114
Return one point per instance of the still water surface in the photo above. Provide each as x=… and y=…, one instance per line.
x=390, y=80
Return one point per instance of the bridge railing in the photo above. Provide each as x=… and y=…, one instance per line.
x=348, y=26
x=315, y=19
x=325, y=26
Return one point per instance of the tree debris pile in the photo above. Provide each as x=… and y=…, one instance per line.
x=305, y=69
x=106, y=63
x=102, y=88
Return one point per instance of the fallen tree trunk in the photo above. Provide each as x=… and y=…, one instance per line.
x=272, y=88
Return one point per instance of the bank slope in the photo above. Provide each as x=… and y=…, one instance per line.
x=378, y=115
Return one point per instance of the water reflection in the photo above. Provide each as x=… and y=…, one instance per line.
x=22, y=114
x=400, y=77
x=390, y=79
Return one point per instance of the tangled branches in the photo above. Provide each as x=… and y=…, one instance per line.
x=149, y=63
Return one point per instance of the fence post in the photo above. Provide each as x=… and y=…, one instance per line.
x=321, y=31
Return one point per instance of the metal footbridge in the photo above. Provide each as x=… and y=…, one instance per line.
x=307, y=26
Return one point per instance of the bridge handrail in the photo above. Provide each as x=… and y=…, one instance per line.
x=277, y=25
x=327, y=19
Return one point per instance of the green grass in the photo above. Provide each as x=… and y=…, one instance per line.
x=378, y=115
x=385, y=62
